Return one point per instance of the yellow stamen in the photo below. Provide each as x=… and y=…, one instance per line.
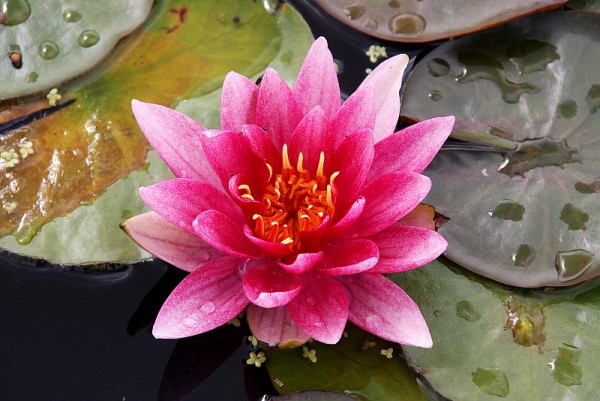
x=287, y=241
x=286, y=159
x=248, y=196
x=299, y=165
x=321, y=165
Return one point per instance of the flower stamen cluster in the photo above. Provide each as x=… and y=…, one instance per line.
x=294, y=202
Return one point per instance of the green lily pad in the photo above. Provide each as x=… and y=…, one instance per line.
x=427, y=21
x=491, y=343
x=184, y=51
x=313, y=396
x=589, y=5
x=355, y=366
x=527, y=217
x=52, y=41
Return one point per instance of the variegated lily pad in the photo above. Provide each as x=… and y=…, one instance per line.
x=426, y=21
x=48, y=42
x=491, y=343
x=66, y=161
x=528, y=217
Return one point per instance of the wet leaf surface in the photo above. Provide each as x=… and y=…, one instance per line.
x=53, y=41
x=427, y=21
x=590, y=5
x=355, y=366
x=76, y=154
x=525, y=344
x=526, y=217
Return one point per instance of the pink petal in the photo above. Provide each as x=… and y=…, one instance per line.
x=268, y=286
x=224, y=234
x=404, y=247
x=321, y=308
x=311, y=137
x=230, y=154
x=412, y=148
x=386, y=80
x=275, y=326
x=302, y=263
x=169, y=243
x=181, y=200
x=263, y=146
x=357, y=113
x=176, y=139
x=349, y=257
x=389, y=198
x=249, y=207
x=381, y=307
x=275, y=249
x=277, y=110
x=317, y=83
x=353, y=160
x=204, y=300
x=238, y=102
x=347, y=220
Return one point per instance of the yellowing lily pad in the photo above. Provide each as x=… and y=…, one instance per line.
x=492, y=343
x=526, y=217
x=426, y=21
x=183, y=51
x=47, y=42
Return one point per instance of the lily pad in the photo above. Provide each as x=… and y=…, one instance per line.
x=313, y=396
x=184, y=51
x=490, y=342
x=427, y=21
x=527, y=217
x=52, y=41
x=355, y=366
x=589, y=5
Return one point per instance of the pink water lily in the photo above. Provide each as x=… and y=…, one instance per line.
x=291, y=210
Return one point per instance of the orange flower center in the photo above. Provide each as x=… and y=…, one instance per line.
x=294, y=202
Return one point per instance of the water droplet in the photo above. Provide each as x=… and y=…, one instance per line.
x=536, y=153
x=508, y=210
x=593, y=98
x=567, y=109
x=48, y=50
x=527, y=323
x=394, y=4
x=530, y=55
x=566, y=370
x=591, y=188
x=572, y=264
x=355, y=10
x=371, y=24
x=88, y=38
x=524, y=256
x=373, y=322
x=14, y=12
x=407, y=24
x=208, y=307
x=438, y=67
x=574, y=217
x=491, y=381
x=466, y=310
x=71, y=15
x=190, y=322
x=31, y=77
x=436, y=95
x=437, y=312
x=481, y=66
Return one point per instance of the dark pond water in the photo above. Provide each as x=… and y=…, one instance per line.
x=72, y=336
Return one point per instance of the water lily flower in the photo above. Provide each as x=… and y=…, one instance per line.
x=291, y=210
